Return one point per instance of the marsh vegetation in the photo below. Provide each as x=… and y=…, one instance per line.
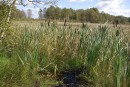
x=31, y=57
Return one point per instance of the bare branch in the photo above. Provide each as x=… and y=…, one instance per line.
x=37, y=2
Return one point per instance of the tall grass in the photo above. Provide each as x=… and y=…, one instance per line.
x=38, y=54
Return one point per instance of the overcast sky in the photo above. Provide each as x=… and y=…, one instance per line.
x=114, y=7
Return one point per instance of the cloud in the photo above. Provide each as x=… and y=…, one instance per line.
x=60, y=6
x=76, y=0
x=114, y=7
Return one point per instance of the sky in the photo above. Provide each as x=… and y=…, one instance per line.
x=113, y=7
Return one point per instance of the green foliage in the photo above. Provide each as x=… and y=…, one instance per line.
x=17, y=14
x=13, y=74
x=4, y=10
x=89, y=15
x=129, y=19
x=50, y=12
x=122, y=19
x=39, y=54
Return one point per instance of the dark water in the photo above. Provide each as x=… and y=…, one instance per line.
x=71, y=78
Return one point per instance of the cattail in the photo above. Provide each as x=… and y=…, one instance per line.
x=48, y=22
x=117, y=33
x=65, y=22
x=83, y=25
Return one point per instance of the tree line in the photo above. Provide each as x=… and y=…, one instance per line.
x=88, y=15
x=92, y=15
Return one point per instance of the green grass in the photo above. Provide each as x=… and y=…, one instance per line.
x=38, y=54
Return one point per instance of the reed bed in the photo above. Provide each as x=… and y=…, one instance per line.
x=37, y=56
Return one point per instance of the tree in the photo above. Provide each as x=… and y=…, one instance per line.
x=57, y=13
x=23, y=14
x=50, y=12
x=80, y=15
x=41, y=14
x=12, y=3
x=90, y=15
x=129, y=19
x=17, y=14
x=6, y=8
x=77, y=16
x=72, y=14
x=29, y=13
x=93, y=15
x=123, y=20
x=116, y=21
x=65, y=13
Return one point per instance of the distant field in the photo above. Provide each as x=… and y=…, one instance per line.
x=35, y=24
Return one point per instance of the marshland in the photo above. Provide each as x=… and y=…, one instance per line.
x=53, y=52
